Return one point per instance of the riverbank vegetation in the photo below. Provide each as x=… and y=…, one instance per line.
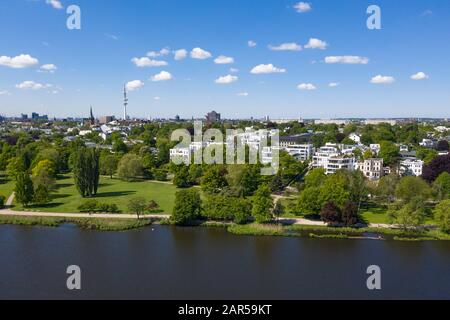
x=85, y=223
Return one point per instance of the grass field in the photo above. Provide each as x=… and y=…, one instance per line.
x=112, y=191
x=6, y=186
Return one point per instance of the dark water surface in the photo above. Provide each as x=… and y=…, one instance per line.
x=204, y=263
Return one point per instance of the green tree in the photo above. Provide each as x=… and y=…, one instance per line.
x=44, y=166
x=309, y=202
x=24, y=189
x=214, y=180
x=315, y=178
x=86, y=170
x=41, y=194
x=137, y=206
x=108, y=165
x=442, y=215
x=182, y=177
x=262, y=205
x=15, y=167
x=441, y=186
x=187, y=207
x=130, y=168
x=389, y=152
x=412, y=215
x=412, y=187
x=387, y=187
x=335, y=189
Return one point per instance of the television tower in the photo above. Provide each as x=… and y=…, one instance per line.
x=125, y=103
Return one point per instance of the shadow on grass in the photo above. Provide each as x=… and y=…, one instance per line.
x=114, y=194
x=63, y=185
x=60, y=196
x=44, y=206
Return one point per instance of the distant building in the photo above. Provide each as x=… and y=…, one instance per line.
x=36, y=117
x=372, y=168
x=411, y=167
x=332, y=121
x=24, y=116
x=106, y=119
x=355, y=138
x=286, y=141
x=427, y=143
x=380, y=121
x=213, y=117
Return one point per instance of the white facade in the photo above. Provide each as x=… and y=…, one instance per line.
x=411, y=167
x=301, y=152
x=331, y=159
x=355, y=137
x=427, y=143
x=372, y=168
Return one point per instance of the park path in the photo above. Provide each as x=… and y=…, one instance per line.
x=296, y=221
x=8, y=212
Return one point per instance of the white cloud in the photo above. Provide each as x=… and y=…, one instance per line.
x=419, y=76
x=234, y=70
x=157, y=98
x=316, y=44
x=134, y=85
x=55, y=4
x=27, y=85
x=147, y=62
x=223, y=60
x=199, y=53
x=162, y=52
x=347, y=60
x=162, y=76
x=18, y=62
x=4, y=93
x=267, y=68
x=379, y=79
x=243, y=94
x=226, y=79
x=333, y=84
x=180, y=54
x=51, y=68
x=252, y=44
x=286, y=47
x=303, y=7
x=306, y=87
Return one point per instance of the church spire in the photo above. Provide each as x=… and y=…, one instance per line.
x=91, y=117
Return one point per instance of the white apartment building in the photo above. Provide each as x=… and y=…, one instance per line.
x=331, y=159
x=301, y=152
x=411, y=167
x=355, y=137
x=427, y=143
x=183, y=154
x=372, y=168
x=375, y=148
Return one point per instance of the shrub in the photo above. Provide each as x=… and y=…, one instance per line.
x=2, y=201
x=89, y=206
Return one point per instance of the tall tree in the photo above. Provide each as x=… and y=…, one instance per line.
x=442, y=215
x=187, y=207
x=24, y=189
x=87, y=171
x=262, y=205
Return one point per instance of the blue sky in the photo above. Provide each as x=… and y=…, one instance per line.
x=92, y=64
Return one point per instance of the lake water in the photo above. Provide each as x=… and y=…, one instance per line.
x=204, y=263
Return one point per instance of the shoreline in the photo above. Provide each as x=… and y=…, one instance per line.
x=112, y=224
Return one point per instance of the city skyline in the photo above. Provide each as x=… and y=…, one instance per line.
x=315, y=60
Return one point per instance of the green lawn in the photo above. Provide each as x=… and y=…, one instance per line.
x=6, y=186
x=112, y=191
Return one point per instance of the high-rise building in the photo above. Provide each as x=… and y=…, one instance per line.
x=213, y=117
